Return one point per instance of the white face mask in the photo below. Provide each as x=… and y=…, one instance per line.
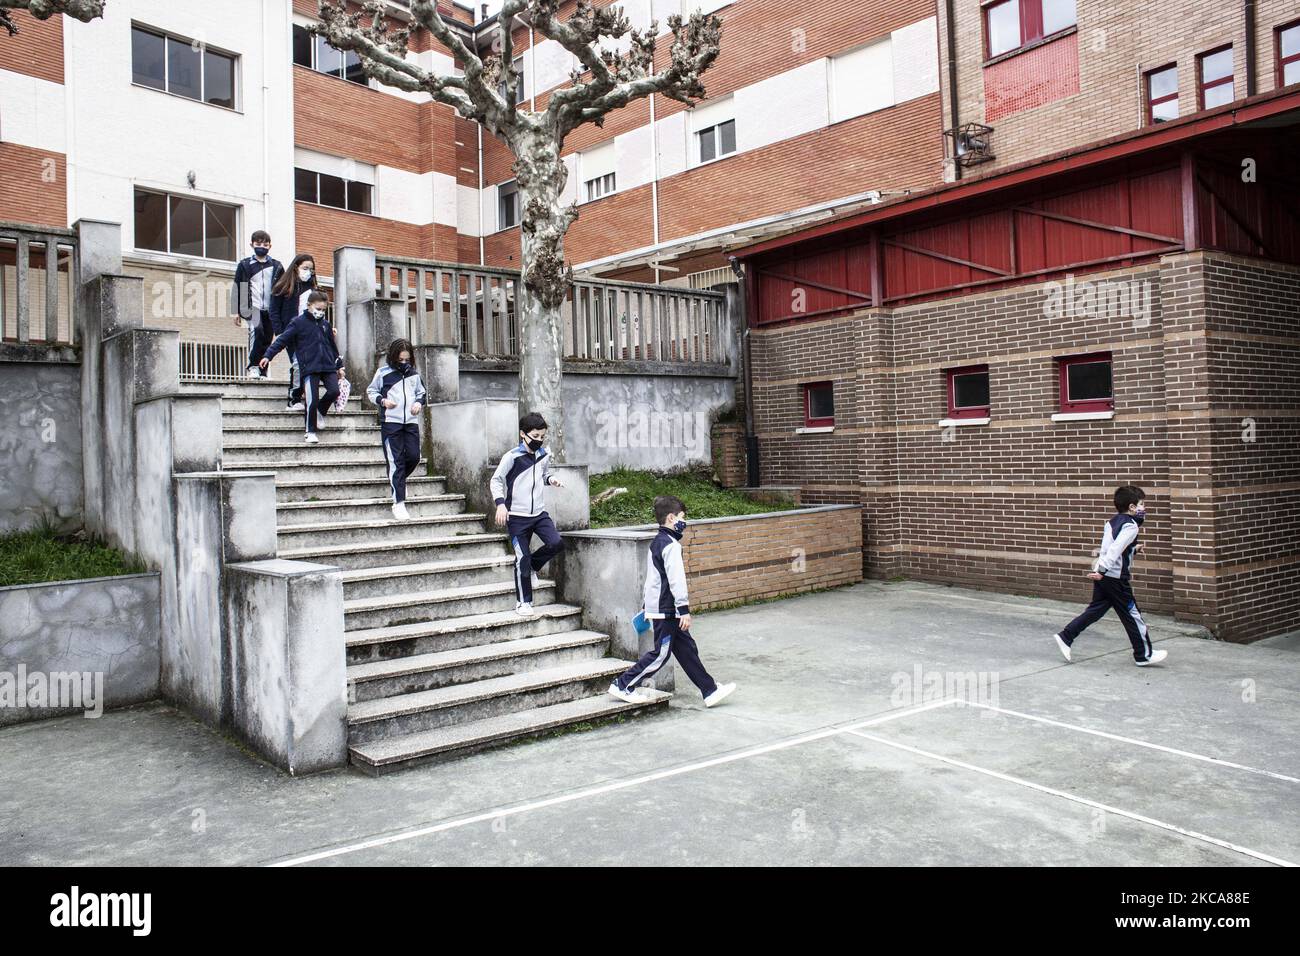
x=318, y=313
x=304, y=274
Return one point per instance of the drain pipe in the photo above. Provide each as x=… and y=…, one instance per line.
x=1248, y=13
x=950, y=16
x=752, y=479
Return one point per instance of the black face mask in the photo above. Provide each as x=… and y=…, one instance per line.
x=403, y=367
x=261, y=251
x=533, y=443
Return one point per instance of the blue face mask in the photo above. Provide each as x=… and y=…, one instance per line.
x=261, y=251
x=679, y=527
x=1140, y=516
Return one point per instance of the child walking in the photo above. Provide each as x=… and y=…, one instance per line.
x=667, y=606
x=1110, y=576
x=251, y=298
x=518, y=488
x=289, y=299
x=311, y=337
x=399, y=393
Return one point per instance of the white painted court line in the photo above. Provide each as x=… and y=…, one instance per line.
x=1133, y=740
x=997, y=775
x=604, y=788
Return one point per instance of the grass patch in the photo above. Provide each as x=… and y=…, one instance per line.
x=703, y=499
x=41, y=555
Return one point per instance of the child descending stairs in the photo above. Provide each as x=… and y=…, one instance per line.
x=439, y=663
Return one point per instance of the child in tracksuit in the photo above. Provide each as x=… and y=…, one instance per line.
x=311, y=337
x=251, y=298
x=667, y=606
x=289, y=299
x=518, y=487
x=1110, y=576
x=399, y=393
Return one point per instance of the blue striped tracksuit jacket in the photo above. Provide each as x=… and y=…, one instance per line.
x=520, y=483
x=1115, y=563
x=666, y=600
x=250, y=298
x=399, y=427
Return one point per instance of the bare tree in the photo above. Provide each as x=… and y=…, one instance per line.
x=83, y=10
x=487, y=92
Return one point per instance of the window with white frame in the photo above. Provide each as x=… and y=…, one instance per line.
x=507, y=205
x=183, y=67
x=184, y=225
x=600, y=186
x=716, y=141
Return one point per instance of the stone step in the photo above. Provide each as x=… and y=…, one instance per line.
x=431, y=576
x=435, y=605
x=378, y=551
x=393, y=534
x=334, y=445
x=274, y=404
x=448, y=743
x=326, y=471
x=373, y=720
x=384, y=643
x=366, y=509
x=279, y=418
x=289, y=434
x=304, y=490
x=410, y=675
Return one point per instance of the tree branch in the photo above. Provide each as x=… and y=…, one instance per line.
x=83, y=10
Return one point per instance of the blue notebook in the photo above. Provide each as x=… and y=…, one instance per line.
x=639, y=623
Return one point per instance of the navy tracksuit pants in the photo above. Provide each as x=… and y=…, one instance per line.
x=669, y=639
x=402, y=452
x=259, y=338
x=527, y=561
x=318, y=404
x=1114, y=593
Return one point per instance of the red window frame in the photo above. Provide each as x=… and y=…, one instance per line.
x=1031, y=24
x=1282, y=63
x=1092, y=404
x=1202, y=86
x=968, y=411
x=1153, y=102
x=808, y=420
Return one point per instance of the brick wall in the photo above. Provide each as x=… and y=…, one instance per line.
x=37, y=50
x=736, y=559
x=33, y=185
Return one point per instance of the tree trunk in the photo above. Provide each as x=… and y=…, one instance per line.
x=541, y=177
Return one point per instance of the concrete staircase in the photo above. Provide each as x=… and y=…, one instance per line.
x=439, y=663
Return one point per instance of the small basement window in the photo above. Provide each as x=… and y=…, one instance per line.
x=1086, y=384
x=968, y=392
x=819, y=405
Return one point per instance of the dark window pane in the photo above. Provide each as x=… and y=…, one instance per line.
x=184, y=64
x=218, y=79
x=1004, y=27
x=1164, y=83
x=187, y=226
x=728, y=133
x=150, y=221
x=509, y=206
x=1216, y=66
x=707, y=151
x=147, y=66
x=352, y=68
x=302, y=41
x=359, y=197
x=821, y=402
x=304, y=185
x=328, y=59
x=1088, y=381
x=333, y=191
x=971, y=390
x=220, y=225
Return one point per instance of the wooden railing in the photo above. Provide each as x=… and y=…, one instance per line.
x=476, y=308
x=37, y=302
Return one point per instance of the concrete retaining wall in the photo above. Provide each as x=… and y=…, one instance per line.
x=95, y=644
x=40, y=441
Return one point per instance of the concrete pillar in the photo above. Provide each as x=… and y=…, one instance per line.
x=288, y=680
x=354, y=281
x=99, y=252
x=373, y=324
x=439, y=366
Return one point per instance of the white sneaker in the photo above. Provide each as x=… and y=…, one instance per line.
x=400, y=512
x=524, y=609
x=626, y=696
x=295, y=407
x=254, y=372
x=1155, y=658
x=311, y=439
x=718, y=696
x=1064, y=647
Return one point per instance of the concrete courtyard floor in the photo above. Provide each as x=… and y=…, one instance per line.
x=831, y=752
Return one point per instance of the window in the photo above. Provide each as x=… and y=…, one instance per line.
x=1214, y=85
x=1011, y=24
x=968, y=392
x=315, y=53
x=324, y=189
x=1162, y=94
x=600, y=186
x=1086, y=383
x=521, y=85
x=185, y=226
x=819, y=405
x=507, y=205
x=717, y=140
x=1288, y=54
x=183, y=67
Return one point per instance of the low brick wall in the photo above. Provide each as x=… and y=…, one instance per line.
x=729, y=463
x=756, y=556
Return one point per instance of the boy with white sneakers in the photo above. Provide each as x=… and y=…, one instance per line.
x=1110, y=576
x=311, y=338
x=518, y=488
x=667, y=606
x=399, y=393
